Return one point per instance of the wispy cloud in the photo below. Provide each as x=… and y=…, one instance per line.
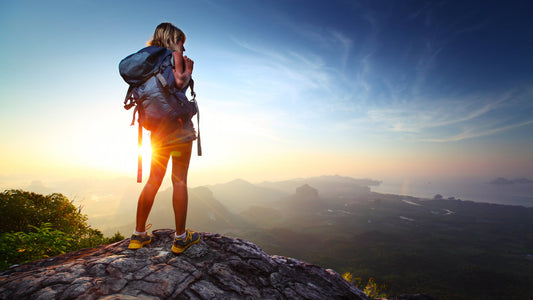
x=425, y=64
x=451, y=120
x=289, y=73
x=473, y=132
x=356, y=83
x=345, y=44
x=334, y=42
x=301, y=84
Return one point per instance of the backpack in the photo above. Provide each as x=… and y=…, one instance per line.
x=153, y=92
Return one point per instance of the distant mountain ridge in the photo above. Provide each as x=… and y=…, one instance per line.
x=239, y=195
x=328, y=185
x=338, y=222
x=427, y=245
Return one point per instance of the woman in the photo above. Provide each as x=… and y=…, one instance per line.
x=170, y=141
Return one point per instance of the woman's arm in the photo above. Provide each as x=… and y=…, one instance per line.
x=183, y=69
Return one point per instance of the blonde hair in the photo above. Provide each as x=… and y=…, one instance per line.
x=167, y=35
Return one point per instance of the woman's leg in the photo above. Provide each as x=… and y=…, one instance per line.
x=180, y=167
x=158, y=167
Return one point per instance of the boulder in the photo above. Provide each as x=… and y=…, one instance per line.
x=218, y=267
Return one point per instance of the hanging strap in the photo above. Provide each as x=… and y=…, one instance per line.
x=129, y=101
x=199, y=142
x=193, y=94
x=140, y=157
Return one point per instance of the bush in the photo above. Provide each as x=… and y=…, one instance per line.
x=34, y=226
x=19, y=209
x=371, y=289
x=23, y=247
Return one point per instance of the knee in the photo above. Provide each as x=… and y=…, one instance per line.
x=178, y=183
x=153, y=183
x=179, y=179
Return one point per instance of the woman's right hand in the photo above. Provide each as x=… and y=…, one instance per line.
x=183, y=69
x=189, y=64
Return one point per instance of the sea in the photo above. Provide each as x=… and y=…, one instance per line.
x=502, y=191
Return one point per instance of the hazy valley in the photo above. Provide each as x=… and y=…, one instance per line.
x=448, y=248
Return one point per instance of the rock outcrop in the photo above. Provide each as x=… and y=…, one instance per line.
x=218, y=267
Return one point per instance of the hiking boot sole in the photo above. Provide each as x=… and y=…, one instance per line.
x=137, y=245
x=178, y=250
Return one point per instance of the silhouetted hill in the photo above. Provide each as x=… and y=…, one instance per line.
x=264, y=216
x=304, y=200
x=205, y=213
x=331, y=187
x=238, y=195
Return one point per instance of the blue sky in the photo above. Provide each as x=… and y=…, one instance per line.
x=286, y=88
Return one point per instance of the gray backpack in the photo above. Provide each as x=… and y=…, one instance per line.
x=154, y=94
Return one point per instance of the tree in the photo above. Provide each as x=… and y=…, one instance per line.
x=19, y=209
x=34, y=226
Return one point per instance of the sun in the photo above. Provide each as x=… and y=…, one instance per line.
x=144, y=154
x=145, y=149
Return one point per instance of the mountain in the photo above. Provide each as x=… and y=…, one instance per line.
x=265, y=216
x=218, y=267
x=304, y=200
x=205, y=213
x=238, y=195
x=447, y=248
x=333, y=187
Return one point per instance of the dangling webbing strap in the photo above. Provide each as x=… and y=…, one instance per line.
x=199, y=142
x=193, y=94
x=140, y=156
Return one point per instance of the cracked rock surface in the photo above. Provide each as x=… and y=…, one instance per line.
x=218, y=267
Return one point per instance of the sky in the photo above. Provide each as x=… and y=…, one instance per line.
x=286, y=89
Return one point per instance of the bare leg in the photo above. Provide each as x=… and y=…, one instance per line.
x=180, y=199
x=158, y=167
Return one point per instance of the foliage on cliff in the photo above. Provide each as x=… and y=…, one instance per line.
x=34, y=226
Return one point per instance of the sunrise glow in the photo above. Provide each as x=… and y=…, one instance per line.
x=284, y=91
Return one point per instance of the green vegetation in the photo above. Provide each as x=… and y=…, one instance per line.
x=33, y=226
x=371, y=289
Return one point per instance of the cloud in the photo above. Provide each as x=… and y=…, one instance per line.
x=351, y=79
x=332, y=42
x=471, y=133
x=303, y=83
x=425, y=64
x=345, y=44
x=289, y=76
x=278, y=63
x=422, y=114
x=452, y=119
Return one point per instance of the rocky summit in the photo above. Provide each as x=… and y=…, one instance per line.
x=218, y=267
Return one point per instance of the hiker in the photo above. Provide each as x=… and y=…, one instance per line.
x=171, y=140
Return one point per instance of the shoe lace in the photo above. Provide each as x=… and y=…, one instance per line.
x=188, y=235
